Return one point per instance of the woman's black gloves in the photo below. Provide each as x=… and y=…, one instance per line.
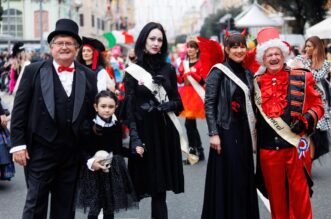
x=167, y=107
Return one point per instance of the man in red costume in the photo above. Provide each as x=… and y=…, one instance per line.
x=289, y=108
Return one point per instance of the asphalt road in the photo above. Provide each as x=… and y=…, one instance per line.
x=181, y=206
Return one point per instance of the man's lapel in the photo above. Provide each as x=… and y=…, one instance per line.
x=80, y=86
x=47, y=87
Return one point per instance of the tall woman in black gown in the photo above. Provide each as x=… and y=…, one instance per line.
x=230, y=189
x=156, y=166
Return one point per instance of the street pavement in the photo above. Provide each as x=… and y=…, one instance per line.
x=181, y=206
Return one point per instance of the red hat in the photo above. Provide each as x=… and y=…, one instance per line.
x=267, y=38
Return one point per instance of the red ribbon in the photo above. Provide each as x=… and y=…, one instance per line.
x=95, y=56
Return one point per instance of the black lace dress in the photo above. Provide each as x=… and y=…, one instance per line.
x=160, y=169
x=112, y=191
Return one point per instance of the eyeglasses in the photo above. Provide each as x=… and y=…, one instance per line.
x=66, y=44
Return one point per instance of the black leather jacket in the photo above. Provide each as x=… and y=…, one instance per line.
x=218, y=98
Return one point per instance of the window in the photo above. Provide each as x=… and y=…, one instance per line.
x=92, y=21
x=81, y=20
x=98, y=23
x=102, y=25
x=12, y=22
x=45, y=23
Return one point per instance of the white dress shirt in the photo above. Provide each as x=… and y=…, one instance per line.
x=66, y=77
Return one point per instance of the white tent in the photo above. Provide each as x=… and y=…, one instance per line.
x=321, y=29
x=254, y=16
x=293, y=39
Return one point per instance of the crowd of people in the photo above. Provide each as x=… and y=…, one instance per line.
x=72, y=109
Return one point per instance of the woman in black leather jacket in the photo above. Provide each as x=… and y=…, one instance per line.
x=230, y=189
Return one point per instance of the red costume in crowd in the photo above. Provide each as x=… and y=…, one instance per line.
x=193, y=104
x=286, y=95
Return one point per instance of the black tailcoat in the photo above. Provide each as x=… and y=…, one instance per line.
x=52, y=126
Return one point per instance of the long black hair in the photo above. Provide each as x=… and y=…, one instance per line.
x=139, y=49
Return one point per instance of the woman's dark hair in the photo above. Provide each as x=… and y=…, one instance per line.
x=318, y=55
x=193, y=44
x=139, y=48
x=101, y=60
x=105, y=93
x=235, y=39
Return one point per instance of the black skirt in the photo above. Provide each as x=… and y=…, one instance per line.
x=160, y=169
x=111, y=191
x=230, y=191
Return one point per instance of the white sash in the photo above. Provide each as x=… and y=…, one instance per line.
x=197, y=87
x=277, y=124
x=249, y=108
x=145, y=78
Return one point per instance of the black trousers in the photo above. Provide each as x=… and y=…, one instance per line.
x=193, y=136
x=50, y=171
x=159, y=206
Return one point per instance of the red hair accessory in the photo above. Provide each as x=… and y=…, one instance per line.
x=95, y=56
x=244, y=32
x=227, y=33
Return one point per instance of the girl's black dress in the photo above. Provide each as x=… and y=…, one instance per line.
x=230, y=191
x=111, y=191
x=160, y=169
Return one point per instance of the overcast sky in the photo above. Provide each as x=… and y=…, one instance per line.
x=166, y=12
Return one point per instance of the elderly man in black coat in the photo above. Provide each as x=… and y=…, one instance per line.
x=52, y=113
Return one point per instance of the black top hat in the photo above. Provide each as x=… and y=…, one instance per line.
x=67, y=27
x=94, y=43
x=17, y=48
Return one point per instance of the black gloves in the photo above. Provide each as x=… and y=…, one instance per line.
x=159, y=79
x=298, y=126
x=305, y=124
x=167, y=107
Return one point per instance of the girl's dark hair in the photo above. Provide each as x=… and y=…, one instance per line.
x=105, y=93
x=139, y=48
x=235, y=39
x=101, y=60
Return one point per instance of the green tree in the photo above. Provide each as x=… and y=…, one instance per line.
x=311, y=11
x=212, y=25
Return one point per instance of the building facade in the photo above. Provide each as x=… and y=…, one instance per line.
x=21, y=20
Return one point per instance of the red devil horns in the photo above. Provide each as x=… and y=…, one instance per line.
x=227, y=33
x=244, y=32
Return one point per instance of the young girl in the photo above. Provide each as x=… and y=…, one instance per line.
x=99, y=187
